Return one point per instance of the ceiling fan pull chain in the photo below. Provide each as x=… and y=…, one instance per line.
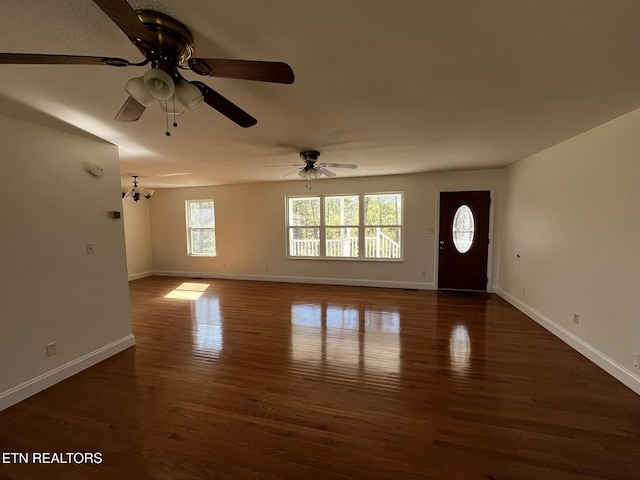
x=166, y=116
x=173, y=98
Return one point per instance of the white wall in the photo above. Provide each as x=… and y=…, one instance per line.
x=571, y=214
x=137, y=233
x=251, y=236
x=50, y=289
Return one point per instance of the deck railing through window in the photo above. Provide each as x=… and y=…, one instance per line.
x=304, y=248
x=381, y=246
x=378, y=246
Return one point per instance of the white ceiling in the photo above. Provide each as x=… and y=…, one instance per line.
x=394, y=86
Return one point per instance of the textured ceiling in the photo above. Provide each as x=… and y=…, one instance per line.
x=393, y=86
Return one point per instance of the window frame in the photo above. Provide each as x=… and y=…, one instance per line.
x=189, y=228
x=361, y=228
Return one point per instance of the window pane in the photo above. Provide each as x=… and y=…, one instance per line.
x=383, y=209
x=341, y=210
x=341, y=242
x=304, y=242
x=203, y=241
x=201, y=214
x=463, y=229
x=304, y=212
x=382, y=242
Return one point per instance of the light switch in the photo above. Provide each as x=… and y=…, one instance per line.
x=91, y=248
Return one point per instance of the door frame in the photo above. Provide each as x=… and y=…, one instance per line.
x=436, y=257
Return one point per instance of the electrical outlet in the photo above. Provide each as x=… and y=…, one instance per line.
x=423, y=273
x=576, y=318
x=636, y=360
x=52, y=349
x=343, y=270
x=91, y=248
x=523, y=292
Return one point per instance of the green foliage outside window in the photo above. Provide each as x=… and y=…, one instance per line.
x=201, y=226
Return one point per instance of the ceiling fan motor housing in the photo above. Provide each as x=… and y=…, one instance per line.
x=310, y=156
x=174, y=40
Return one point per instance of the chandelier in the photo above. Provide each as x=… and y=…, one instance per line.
x=135, y=192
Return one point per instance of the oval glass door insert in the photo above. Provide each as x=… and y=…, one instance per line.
x=463, y=229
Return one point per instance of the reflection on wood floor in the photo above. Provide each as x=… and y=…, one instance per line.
x=256, y=380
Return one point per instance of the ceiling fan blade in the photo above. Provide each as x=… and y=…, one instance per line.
x=127, y=20
x=291, y=172
x=284, y=165
x=276, y=72
x=339, y=165
x=131, y=111
x=40, y=59
x=326, y=172
x=225, y=107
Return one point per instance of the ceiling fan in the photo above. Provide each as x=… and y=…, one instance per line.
x=311, y=168
x=168, y=47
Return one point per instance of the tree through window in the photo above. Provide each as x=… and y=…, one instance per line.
x=201, y=228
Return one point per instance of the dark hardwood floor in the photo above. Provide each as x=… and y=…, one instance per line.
x=257, y=380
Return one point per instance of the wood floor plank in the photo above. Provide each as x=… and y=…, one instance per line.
x=258, y=380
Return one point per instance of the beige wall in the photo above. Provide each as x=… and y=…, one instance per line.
x=571, y=214
x=138, y=237
x=251, y=236
x=50, y=289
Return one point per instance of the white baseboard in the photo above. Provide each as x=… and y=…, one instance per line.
x=137, y=276
x=46, y=380
x=356, y=282
x=613, y=368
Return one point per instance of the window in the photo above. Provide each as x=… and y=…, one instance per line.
x=365, y=226
x=201, y=228
x=341, y=218
x=304, y=227
x=463, y=229
x=383, y=225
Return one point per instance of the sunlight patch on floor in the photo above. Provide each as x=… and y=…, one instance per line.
x=188, y=291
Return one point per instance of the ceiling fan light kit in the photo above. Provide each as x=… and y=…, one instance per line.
x=136, y=88
x=159, y=84
x=168, y=46
x=188, y=94
x=309, y=173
